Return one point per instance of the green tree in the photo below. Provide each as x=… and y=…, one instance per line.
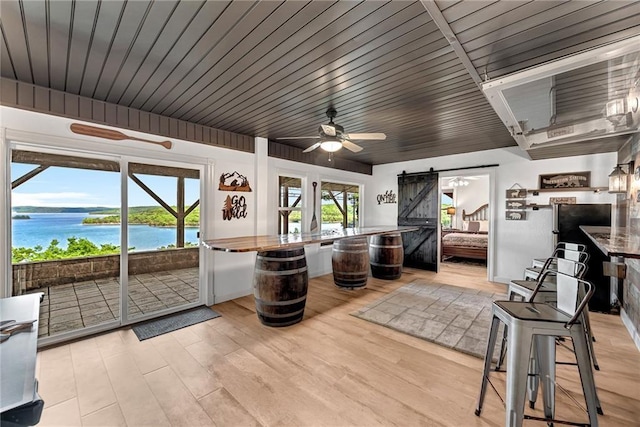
x=147, y=215
x=76, y=247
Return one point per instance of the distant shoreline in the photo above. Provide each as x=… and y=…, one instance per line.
x=150, y=225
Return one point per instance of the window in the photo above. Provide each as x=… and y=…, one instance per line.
x=448, y=209
x=289, y=206
x=340, y=205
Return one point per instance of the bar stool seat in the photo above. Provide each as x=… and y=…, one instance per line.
x=533, y=326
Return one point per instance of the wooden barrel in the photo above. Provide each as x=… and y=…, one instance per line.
x=280, y=286
x=350, y=262
x=386, y=255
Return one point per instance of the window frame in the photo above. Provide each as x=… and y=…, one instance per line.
x=298, y=206
x=356, y=222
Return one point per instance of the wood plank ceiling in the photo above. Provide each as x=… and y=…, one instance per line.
x=272, y=68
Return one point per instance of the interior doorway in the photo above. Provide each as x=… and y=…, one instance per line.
x=465, y=220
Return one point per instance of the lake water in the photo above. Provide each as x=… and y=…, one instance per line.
x=42, y=228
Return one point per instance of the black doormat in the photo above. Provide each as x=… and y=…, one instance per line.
x=170, y=323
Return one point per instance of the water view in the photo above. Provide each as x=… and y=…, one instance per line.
x=41, y=228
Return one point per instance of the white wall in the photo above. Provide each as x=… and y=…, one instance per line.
x=470, y=197
x=230, y=275
x=515, y=243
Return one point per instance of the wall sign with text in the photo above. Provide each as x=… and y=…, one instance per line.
x=234, y=208
x=388, y=197
x=565, y=180
x=562, y=200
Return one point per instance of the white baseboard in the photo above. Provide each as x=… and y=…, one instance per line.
x=217, y=299
x=635, y=336
x=505, y=280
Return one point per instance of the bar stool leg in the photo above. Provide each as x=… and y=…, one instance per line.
x=533, y=378
x=503, y=344
x=590, y=339
x=546, y=355
x=518, y=352
x=493, y=334
x=586, y=374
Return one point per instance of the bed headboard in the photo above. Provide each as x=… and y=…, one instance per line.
x=480, y=214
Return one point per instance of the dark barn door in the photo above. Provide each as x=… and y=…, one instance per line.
x=418, y=205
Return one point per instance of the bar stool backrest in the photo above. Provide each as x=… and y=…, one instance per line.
x=572, y=246
x=569, y=300
x=581, y=256
x=571, y=267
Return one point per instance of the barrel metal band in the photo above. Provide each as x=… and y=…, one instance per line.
x=281, y=272
x=350, y=252
x=350, y=273
x=275, y=259
x=386, y=265
x=287, y=302
x=373, y=245
x=282, y=315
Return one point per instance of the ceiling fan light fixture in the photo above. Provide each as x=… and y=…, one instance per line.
x=459, y=182
x=331, y=145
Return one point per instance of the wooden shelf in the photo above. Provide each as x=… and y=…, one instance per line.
x=549, y=190
x=535, y=207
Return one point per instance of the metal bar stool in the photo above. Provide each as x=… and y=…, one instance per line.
x=547, y=293
x=576, y=252
x=546, y=289
x=529, y=322
x=525, y=288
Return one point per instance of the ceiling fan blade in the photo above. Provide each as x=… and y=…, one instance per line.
x=328, y=130
x=299, y=137
x=313, y=147
x=379, y=136
x=351, y=146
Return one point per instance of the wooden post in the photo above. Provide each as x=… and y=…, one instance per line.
x=181, y=215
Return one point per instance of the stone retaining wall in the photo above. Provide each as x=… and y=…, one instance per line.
x=35, y=275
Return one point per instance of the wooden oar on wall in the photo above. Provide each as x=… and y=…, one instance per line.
x=112, y=134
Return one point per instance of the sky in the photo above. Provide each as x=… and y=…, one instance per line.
x=67, y=187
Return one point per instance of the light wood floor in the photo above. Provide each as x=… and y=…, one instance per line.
x=331, y=369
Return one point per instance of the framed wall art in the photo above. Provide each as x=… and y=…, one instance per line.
x=515, y=215
x=516, y=193
x=565, y=180
x=516, y=204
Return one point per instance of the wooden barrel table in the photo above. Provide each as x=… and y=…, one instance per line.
x=350, y=262
x=280, y=286
x=387, y=255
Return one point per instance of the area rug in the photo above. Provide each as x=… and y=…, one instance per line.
x=173, y=322
x=451, y=316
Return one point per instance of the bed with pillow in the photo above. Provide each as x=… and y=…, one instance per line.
x=472, y=241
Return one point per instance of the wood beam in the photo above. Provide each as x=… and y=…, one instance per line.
x=27, y=176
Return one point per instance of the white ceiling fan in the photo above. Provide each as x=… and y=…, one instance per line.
x=332, y=136
x=461, y=181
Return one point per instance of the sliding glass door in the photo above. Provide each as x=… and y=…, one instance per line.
x=163, y=224
x=68, y=230
x=60, y=245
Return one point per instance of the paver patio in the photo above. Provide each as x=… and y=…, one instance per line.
x=77, y=305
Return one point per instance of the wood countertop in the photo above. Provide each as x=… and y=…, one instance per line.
x=285, y=241
x=614, y=241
